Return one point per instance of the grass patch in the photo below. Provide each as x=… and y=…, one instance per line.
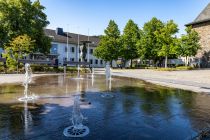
x=181, y=68
x=44, y=69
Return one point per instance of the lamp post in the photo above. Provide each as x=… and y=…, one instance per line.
x=88, y=50
x=78, y=55
x=78, y=47
x=67, y=46
x=67, y=43
x=18, y=60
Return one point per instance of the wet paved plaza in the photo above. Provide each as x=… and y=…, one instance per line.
x=139, y=110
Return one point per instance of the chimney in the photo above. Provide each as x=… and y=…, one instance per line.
x=59, y=31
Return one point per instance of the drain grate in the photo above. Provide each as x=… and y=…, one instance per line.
x=107, y=95
x=203, y=135
x=76, y=132
x=29, y=98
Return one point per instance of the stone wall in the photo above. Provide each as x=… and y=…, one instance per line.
x=203, y=30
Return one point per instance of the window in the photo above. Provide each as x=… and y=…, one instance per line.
x=72, y=59
x=1, y=51
x=65, y=49
x=101, y=62
x=91, y=61
x=80, y=60
x=85, y=60
x=96, y=61
x=91, y=51
x=54, y=49
x=72, y=49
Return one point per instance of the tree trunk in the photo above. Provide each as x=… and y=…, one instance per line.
x=186, y=62
x=166, y=61
x=131, y=63
x=124, y=63
x=111, y=63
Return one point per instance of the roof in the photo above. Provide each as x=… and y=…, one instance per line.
x=203, y=17
x=72, y=37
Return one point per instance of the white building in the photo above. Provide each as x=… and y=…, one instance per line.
x=71, y=51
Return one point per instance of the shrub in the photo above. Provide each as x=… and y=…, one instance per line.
x=142, y=66
x=37, y=68
x=43, y=68
x=71, y=69
x=1, y=68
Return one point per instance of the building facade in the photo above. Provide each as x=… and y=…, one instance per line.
x=202, y=26
x=68, y=47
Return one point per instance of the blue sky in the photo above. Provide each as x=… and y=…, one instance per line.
x=81, y=15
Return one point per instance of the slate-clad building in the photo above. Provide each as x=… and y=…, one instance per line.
x=202, y=25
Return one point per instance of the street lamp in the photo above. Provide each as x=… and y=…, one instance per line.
x=88, y=59
x=67, y=43
x=78, y=55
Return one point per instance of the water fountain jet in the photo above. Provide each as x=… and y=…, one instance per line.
x=93, y=72
x=27, y=80
x=108, y=72
x=78, y=71
x=92, y=78
x=108, y=83
x=77, y=129
x=27, y=118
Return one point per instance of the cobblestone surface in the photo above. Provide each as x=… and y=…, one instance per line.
x=195, y=80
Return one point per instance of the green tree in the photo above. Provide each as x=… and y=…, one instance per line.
x=168, y=41
x=109, y=44
x=20, y=17
x=131, y=35
x=18, y=48
x=148, y=46
x=189, y=44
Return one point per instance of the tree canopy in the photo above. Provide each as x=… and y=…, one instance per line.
x=189, y=43
x=157, y=41
x=130, y=37
x=108, y=48
x=167, y=39
x=148, y=46
x=19, y=17
x=18, y=48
